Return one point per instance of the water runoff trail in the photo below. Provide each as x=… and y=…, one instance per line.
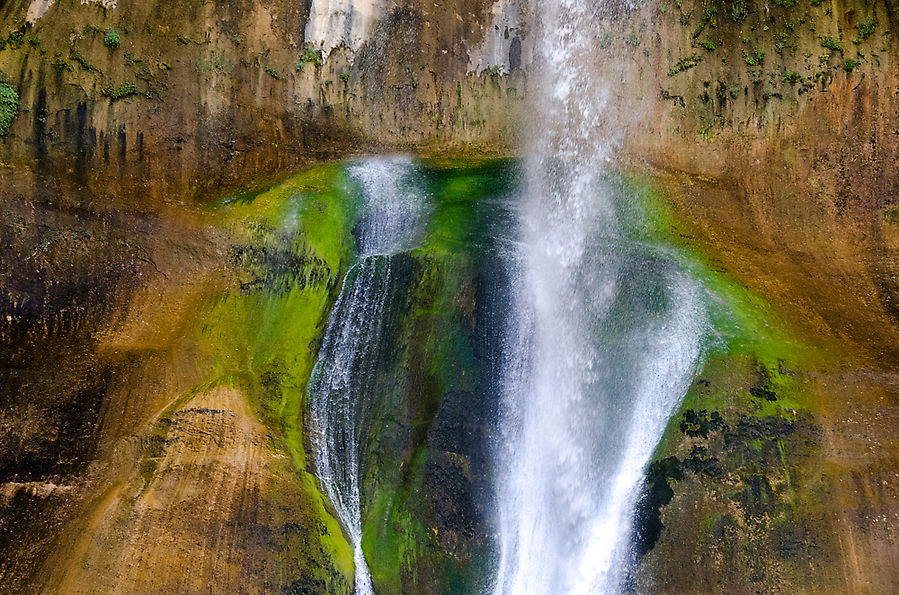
x=392, y=207
x=602, y=342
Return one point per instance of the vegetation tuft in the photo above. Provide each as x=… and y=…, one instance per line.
x=832, y=43
x=9, y=106
x=308, y=56
x=111, y=39
x=115, y=92
x=865, y=30
x=685, y=64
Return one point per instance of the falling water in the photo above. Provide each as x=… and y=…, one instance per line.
x=602, y=343
x=340, y=390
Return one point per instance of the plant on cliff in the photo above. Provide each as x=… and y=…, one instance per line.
x=273, y=73
x=832, y=43
x=685, y=64
x=115, y=92
x=739, y=11
x=309, y=55
x=9, y=106
x=755, y=58
x=111, y=39
x=865, y=30
x=16, y=38
x=708, y=13
x=850, y=65
x=78, y=57
x=707, y=44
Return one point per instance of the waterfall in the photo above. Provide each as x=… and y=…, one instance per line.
x=602, y=341
x=340, y=394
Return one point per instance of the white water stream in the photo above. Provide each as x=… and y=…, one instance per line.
x=339, y=394
x=602, y=343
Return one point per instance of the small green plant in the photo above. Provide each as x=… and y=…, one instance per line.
x=495, y=70
x=832, y=44
x=735, y=92
x=183, y=40
x=9, y=107
x=685, y=64
x=60, y=63
x=850, y=65
x=237, y=39
x=78, y=57
x=738, y=11
x=632, y=40
x=816, y=2
x=16, y=38
x=115, y=92
x=272, y=72
x=746, y=40
x=708, y=13
x=345, y=77
x=791, y=77
x=707, y=44
x=308, y=56
x=756, y=58
x=786, y=3
x=605, y=40
x=111, y=39
x=865, y=30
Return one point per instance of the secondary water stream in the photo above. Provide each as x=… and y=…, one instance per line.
x=391, y=207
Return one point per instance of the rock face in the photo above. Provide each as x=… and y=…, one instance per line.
x=196, y=97
x=770, y=126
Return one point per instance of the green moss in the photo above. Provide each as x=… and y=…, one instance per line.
x=111, y=39
x=266, y=333
x=632, y=40
x=272, y=73
x=850, y=65
x=684, y=64
x=707, y=44
x=9, y=107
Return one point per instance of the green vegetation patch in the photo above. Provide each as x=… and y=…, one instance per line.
x=309, y=56
x=684, y=64
x=78, y=57
x=9, y=106
x=115, y=92
x=111, y=39
x=865, y=30
x=832, y=44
